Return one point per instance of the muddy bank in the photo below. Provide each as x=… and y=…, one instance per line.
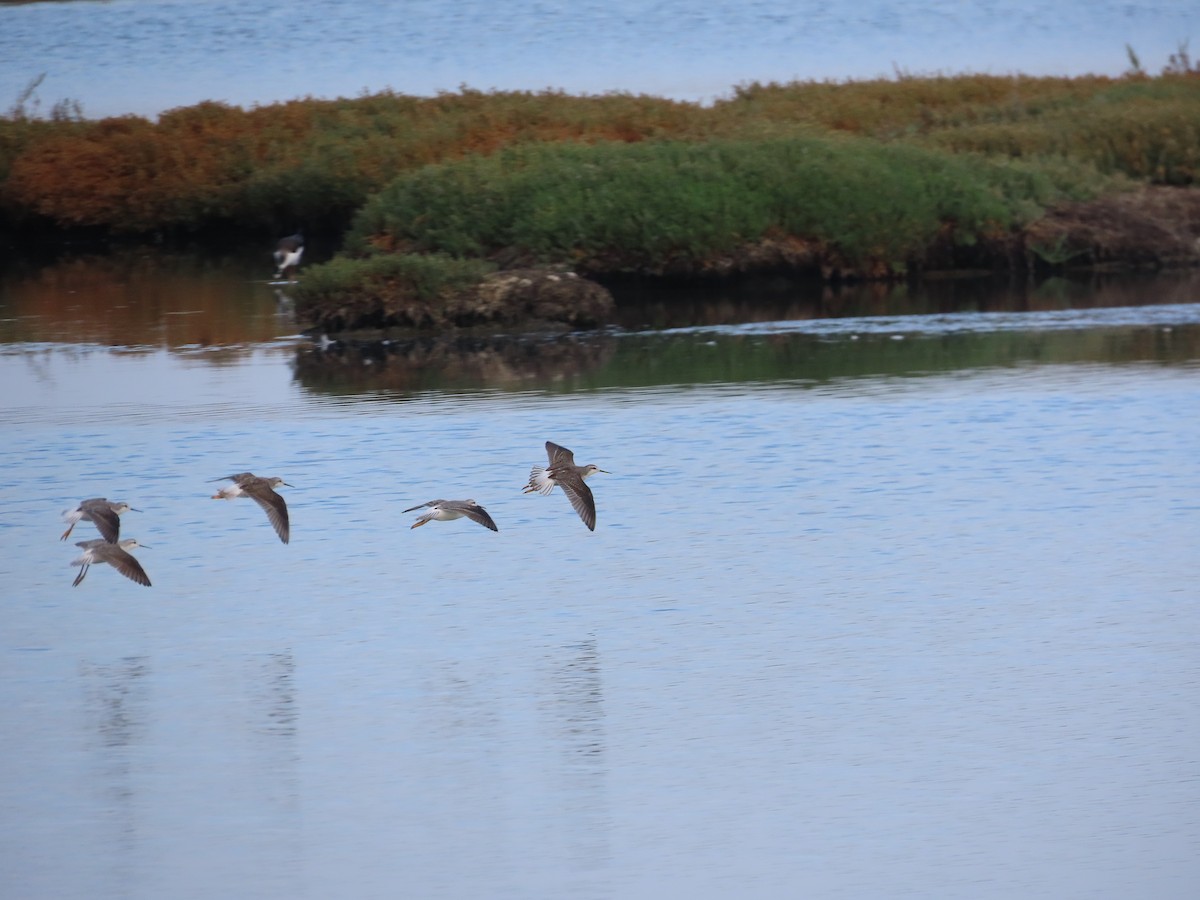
x=549, y=298
x=1155, y=228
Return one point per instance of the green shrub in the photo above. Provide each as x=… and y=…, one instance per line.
x=654, y=203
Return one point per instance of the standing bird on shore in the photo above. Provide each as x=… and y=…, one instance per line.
x=262, y=492
x=562, y=472
x=288, y=251
x=117, y=555
x=445, y=510
x=104, y=513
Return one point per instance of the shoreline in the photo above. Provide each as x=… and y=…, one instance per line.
x=427, y=201
x=1149, y=230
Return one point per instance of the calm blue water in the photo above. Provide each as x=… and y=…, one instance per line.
x=144, y=56
x=911, y=629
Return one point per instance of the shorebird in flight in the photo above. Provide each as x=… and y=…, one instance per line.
x=445, y=510
x=262, y=492
x=104, y=513
x=562, y=472
x=117, y=555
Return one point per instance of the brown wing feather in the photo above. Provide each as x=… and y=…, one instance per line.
x=107, y=522
x=239, y=478
x=478, y=514
x=581, y=499
x=128, y=566
x=276, y=509
x=559, y=455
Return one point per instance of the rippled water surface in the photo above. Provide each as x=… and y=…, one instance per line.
x=883, y=605
x=145, y=56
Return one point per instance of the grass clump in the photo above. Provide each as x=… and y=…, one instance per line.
x=378, y=289
x=422, y=277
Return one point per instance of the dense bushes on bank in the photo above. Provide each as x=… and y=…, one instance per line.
x=859, y=179
x=304, y=162
x=315, y=162
x=664, y=205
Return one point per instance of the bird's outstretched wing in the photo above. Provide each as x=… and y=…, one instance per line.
x=581, y=499
x=477, y=513
x=559, y=456
x=127, y=565
x=107, y=522
x=276, y=509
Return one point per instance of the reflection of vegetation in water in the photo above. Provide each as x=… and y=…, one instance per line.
x=712, y=351
x=695, y=357
x=450, y=364
x=699, y=358
x=762, y=300
x=136, y=298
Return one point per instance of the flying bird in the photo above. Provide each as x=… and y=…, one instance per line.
x=262, y=492
x=104, y=513
x=562, y=472
x=115, y=554
x=288, y=251
x=445, y=510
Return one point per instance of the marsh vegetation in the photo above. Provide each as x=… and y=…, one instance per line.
x=868, y=179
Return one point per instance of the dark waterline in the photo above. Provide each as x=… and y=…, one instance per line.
x=143, y=296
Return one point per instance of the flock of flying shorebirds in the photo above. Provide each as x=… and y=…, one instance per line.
x=111, y=548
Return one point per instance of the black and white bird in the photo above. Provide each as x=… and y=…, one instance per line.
x=288, y=251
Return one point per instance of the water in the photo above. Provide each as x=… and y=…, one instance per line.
x=883, y=605
x=145, y=56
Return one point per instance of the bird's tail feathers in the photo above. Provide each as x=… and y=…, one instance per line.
x=539, y=480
